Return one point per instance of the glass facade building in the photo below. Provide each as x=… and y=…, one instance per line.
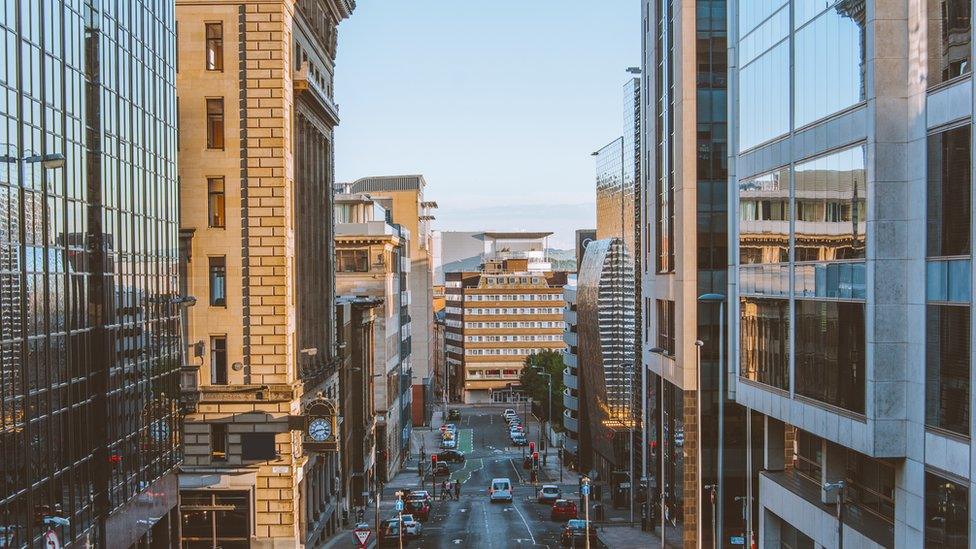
x=90, y=346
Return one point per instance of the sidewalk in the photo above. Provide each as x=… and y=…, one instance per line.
x=626, y=536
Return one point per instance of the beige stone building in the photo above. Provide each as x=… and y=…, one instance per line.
x=414, y=213
x=254, y=86
x=497, y=317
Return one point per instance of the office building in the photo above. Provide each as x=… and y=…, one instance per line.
x=496, y=317
x=683, y=257
x=412, y=211
x=373, y=261
x=255, y=82
x=90, y=348
x=851, y=292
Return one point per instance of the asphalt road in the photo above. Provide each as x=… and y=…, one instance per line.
x=474, y=522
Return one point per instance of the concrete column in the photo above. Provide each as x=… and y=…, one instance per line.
x=774, y=447
x=770, y=536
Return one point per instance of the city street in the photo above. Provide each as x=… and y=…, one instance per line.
x=473, y=521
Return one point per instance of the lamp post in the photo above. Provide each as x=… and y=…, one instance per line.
x=399, y=504
x=539, y=371
x=839, y=486
x=719, y=507
x=586, y=506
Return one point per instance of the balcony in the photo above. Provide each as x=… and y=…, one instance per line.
x=570, y=338
x=570, y=445
x=569, y=316
x=570, y=422
x=570, y=380
x=569, y=359
x=569, y=401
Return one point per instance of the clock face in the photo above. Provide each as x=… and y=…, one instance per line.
x=319, y=429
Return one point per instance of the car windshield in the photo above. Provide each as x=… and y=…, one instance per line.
x=407, y=518
x=576, y=524
x=550, y=489
x=499, y=486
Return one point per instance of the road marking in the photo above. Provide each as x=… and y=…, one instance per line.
x=484, y=512
x=514, y=468
x=526, y=524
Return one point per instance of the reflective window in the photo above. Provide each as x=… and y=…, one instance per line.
x=843, y=280
x=771, y=280
x=949, y=198
x=948, y=280
x=830, y=207
x=870, y=485
x=215, y=123
x=754, y=12
x=764, y=99
x=665, y=325
x=764, y=218
x=947, y=348
x=352, y=261
x=218, y=281
x=215, y=202
x=218, y=360
x=215, y=519
x=215, y=46
x=829, y=350
x=764, y=331
x=950, y=36
x=829, y=61
x=946, y=513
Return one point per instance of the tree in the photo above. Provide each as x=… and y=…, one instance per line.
x=537, y=387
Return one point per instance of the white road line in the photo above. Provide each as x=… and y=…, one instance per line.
x=526, y=524
x=514, y=468
x=484, y=513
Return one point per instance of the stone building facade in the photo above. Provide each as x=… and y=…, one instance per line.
x=254, y=84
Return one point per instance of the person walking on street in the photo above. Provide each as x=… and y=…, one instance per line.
x=457, y=490
x=443, y=490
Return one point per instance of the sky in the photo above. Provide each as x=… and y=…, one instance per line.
x=498, y=103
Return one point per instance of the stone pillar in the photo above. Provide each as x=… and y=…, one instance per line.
x=834, y=469
x=770, y=536
x=774, y=448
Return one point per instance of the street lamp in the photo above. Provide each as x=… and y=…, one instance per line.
x=720, y=299
x=839, y=486
x=538, y=370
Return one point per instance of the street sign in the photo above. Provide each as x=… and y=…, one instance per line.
x=399, y=505
x=737, y=540
x=586, y=490
x=51, y=540
x=362, y=536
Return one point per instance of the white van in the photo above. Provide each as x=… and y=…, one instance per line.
x=500, y=490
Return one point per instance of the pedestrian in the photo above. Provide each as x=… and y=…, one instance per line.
x=457, y=490
x=443, y=490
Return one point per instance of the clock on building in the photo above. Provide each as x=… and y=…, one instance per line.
x=320, y=429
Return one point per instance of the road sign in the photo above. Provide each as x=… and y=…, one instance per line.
x=737, y=540
x=362, y=536
x=51, y=540
x=399, y=505
x=586, y=490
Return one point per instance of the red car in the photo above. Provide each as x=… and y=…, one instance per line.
x=419, y=508
x=563, y=509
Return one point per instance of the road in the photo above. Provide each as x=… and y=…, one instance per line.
x=474, y=522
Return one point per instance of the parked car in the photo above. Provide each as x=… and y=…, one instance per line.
x=390, y=533
x=454, y=414
x=574, y=534
x=448, y=444
x=419, y=508
x=452, y=456
x=508, y=413
x=411, y=526
x=549, y=493
x=520, y=440
x=500, y=489
x=563, y=509
x=422, y=495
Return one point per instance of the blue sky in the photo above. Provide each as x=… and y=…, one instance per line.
x=498, y=103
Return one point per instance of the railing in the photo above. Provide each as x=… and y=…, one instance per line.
x=570, y=401
x=569, y=379
x=569, y=422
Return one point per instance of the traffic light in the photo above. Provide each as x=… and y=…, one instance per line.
x=535, y=459
x=433, y=460
x=531, y=447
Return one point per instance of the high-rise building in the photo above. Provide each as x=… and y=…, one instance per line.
x=90, y=349
x=415, y=214
x=373, y=261
x=851, y=183
x=498, y=316
x=255, y=84
x=689, y=428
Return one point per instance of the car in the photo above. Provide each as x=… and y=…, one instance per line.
x=574, y=534
x=411, y=526
x=419, y=508
x=508, y=413
x=449, y=444
x=419, y=495
x=451, y=456
x=549, y=493
x=500, y=489
x=454, y=414
x=440, y=469
x=390, y=533
x=520, y=441
x=514, y=420
x=563, y=509
x=679, y=437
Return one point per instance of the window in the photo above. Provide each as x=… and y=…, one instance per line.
x=218, y=360
x=764, y=331
x=947, y=367
x=215, y=46
x=215, y=202
x=946, y=513
x=871, y=485
x=218, y=442
x=829, y=349
x=949, y=201
x=215, y=123
x=352, y=261
x=258, y=446
x=214, y=518
x=665, y=325
x=950, y=34
x=218, y=281
x=808, y=456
